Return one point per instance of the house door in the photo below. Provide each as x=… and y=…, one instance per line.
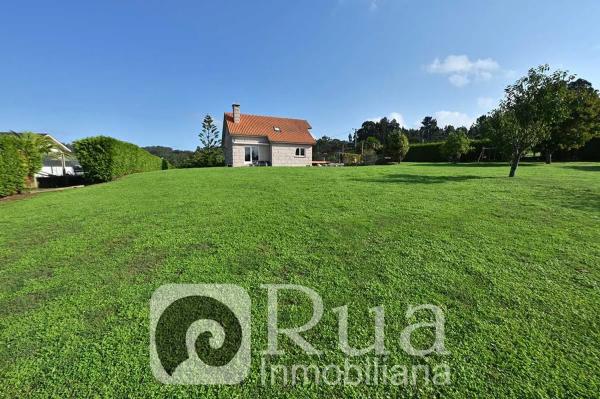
x=250, y=154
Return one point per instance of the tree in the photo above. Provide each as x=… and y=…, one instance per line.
x=397, y=145
x=429, y=129
x=372, y=143
x=209, y=136
x=379, y=130
x=369, y=149
x=530, y=107
x=478, y=130
x=211, y=154
x=582, y=121
x=33, y=147
x=456, y=144
x=208, y=157
x=329, y=149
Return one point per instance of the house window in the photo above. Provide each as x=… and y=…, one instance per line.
x=250, y=154
x=300, y=152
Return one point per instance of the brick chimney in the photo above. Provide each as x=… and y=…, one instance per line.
x=236, y=113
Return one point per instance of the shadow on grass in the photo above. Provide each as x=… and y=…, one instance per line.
x=475, y=164
x=588, y=168
x=587, y=201
x=423, y=179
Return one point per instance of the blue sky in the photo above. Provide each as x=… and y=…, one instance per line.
x=148, y=71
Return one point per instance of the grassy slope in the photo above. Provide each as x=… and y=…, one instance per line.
x=514, y=263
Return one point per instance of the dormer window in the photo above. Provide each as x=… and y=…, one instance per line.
x=277, y=130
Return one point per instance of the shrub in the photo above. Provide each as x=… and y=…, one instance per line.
x=207, y=157
x=425, y=152
x=456, y=145
x=432, y=152
x=105, y=158
x=12, y=167
x=349, y=158
x=397, y=146
x=589, y=152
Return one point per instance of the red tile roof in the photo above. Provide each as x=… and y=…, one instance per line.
x=290, y=130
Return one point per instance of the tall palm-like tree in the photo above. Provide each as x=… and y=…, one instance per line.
x=33, y=147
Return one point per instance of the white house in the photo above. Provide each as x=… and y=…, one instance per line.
x=266, y=140
x=60, y=161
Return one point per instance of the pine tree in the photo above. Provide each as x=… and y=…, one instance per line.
x=209, y=136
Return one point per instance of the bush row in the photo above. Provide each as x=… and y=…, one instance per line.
x=432, y=152
x=12, y=167
x=104, y=158
x=589, y=152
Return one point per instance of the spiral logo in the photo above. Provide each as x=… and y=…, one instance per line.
x=200, y=334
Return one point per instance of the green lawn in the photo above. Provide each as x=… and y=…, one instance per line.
x=514, y=263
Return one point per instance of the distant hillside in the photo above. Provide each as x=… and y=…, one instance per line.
x=177, y=158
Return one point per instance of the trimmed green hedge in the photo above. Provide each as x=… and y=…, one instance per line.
x=105, y=158
x=432, y=152
x=12, y=167
x=425, y=152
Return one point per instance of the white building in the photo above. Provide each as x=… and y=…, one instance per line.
x=60, y=161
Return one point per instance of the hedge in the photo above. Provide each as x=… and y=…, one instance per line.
x=425, y=152
x=432, y=152
x=589, y=152
x=12, y=167
x=105, y=158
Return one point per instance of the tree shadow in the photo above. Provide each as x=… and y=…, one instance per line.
x=423, y=179
x=587, y=201
x=475, y=164
x=588, y=168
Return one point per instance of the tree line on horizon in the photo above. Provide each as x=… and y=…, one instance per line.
x=541, y=112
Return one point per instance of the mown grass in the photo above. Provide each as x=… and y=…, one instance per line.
x=514, y=263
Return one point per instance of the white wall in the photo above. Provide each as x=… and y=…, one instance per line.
x=55, y=170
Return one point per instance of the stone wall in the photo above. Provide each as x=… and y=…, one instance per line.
x=285, y=155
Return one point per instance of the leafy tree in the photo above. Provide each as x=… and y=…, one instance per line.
x=208, y=157
x=429, y=129
x=209, y=136
x=463, y=130
x=369, y=149
x=478, y=130
x=530, y=107
x=380, y=130
x=397, y=145
x=582, y=121
x=371, y=143
x=329, y=149
x=449, y=129
x=456, y=144
x=33, y=147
